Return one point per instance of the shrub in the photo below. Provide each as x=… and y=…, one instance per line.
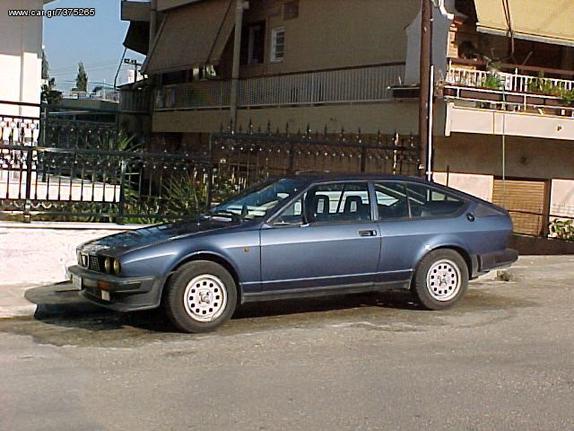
x=562, y=229
x=492, y=81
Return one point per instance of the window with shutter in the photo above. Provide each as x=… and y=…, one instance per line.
x=277, y=44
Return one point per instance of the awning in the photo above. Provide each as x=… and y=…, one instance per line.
x=190, y=36
x=137, y=37
x=549, y=21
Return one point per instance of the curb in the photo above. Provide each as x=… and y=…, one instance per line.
x=48, y=300
x=70, y=226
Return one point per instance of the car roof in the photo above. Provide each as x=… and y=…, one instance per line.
x=308, y=178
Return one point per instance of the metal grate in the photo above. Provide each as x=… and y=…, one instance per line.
x=94, y=263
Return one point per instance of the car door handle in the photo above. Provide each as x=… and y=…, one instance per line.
x=367, y=233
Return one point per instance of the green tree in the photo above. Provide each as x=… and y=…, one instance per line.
x=50, y=95
x=81, y=78
x=45, y=66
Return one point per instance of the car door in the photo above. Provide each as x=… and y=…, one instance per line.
x=412, y=218
x=327, y=237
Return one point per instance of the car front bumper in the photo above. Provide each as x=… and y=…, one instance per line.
x=496, y=260
x=117, y=293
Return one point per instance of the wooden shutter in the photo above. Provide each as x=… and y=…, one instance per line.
x=526, y=200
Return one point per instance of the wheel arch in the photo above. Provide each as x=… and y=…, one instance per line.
x=455, y=247
x=212, y=257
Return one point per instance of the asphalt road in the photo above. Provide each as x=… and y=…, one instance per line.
x=502, y=360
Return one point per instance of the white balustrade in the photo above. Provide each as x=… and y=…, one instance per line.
x=365, y=84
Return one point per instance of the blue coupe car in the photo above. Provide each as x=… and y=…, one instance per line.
x=301, y=236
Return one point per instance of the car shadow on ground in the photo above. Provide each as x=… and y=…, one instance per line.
x=60, y=304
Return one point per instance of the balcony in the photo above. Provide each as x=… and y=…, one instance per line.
x=508, y=103
x=135, y=100
x=342, y=86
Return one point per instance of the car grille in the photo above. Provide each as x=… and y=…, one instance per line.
x=91, y=262
x=94, y=263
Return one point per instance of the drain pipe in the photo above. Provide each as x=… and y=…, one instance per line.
x=430, y=149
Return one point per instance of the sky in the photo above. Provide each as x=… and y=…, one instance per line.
x=96, y=41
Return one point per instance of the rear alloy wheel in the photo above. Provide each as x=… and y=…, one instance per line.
x=441, y=279
x=200, y=296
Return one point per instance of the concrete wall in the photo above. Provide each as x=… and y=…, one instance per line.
x=525, y=157
x=562, y=197
x=476, y=185
x=541, y=124
x=474, y=161
x=20, y=57
x=335, y=33
x=370, y=117
x=40, y=252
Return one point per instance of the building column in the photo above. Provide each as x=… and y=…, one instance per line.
x=234, y=96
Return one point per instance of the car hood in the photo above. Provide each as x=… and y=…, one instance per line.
x=139, y=238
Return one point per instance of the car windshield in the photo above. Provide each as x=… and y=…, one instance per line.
x=260, y=200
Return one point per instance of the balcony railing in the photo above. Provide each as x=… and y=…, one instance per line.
x=509, y=81
x=135, y=101
x=352, y=85
x=510, y=90
x=191, y=95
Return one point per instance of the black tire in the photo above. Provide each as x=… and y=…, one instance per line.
x=178, y=291
x=443, y=293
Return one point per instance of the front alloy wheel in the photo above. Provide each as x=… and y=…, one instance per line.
x=205, y=298
x=200, y=296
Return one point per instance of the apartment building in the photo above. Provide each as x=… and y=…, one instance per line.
x=503, y=122
x=20, y=70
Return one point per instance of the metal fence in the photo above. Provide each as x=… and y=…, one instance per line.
x=245, y=157
x=98, y=184
x=95, y=185
x=19, y=129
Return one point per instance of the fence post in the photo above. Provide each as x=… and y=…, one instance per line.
x=210, y=174
x=363, y=158
x=291, y=167
x=44, y=110
x=28, y=204
x=364, y=150
x=121, y=209
x=43, y=123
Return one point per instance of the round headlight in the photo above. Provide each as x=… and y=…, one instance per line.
x=117, y=266
x=108, y=264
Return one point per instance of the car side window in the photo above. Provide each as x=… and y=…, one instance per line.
x=428, y=202
x=336, y=202
x=293, y=214
x=391, y=200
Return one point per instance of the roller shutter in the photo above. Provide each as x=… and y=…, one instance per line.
x=526, y=200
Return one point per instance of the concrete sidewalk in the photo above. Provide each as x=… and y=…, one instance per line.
x=21, y=301
x=48, y=246
x=24, y=300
